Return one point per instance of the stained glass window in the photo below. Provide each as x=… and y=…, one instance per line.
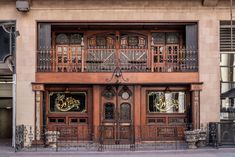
x=109, y=111
x=62, y=39
x=172, y=38
x=125, y=111
x=166, y=102
x=158, y=38
x=68, y=38
x=67, y=102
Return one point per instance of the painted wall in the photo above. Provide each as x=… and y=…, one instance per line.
x=111, y=10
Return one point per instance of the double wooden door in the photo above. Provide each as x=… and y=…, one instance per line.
x=117, y=115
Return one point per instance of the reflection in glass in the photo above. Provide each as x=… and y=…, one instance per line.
x=166, y=102
x=125, y=111
x=109, y=111
x=227, y=73
x=67, y=102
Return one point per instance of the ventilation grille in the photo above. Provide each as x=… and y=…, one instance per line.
x=225, y=38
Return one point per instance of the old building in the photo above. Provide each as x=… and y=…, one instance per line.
x=121, y=68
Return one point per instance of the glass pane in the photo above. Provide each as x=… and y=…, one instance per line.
x=65, y=55
x=125, y=111
x=227, y=71
x=67, y=102
x=75, y=39
x=158, y=38
x=62, y=39
x=73, y=54
x=166, y=102
x=172, y=38
x=109, y=111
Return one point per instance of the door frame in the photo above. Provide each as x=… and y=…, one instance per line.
x=117, y=130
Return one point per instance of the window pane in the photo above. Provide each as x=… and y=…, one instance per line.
x=166, y=102
x=67, y=102
x=125, y=111
x=109, y=111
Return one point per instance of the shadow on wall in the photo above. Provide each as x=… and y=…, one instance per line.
x=5, y=123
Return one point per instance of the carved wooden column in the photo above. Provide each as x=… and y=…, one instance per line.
x=196, y=88
x=137, y=112
x=96, y=110
x=38, y=89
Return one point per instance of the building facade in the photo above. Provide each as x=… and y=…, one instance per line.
x=123, y=66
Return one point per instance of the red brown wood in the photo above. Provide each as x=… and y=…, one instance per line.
x=160, y=123
x=63, y=121
x=117, y=129
x=134, y=78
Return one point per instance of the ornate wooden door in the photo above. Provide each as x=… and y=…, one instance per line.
x=117, y=115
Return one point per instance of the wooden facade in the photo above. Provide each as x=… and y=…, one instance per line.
x=119, y=80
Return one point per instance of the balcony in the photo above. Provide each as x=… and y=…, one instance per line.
x=78, y=59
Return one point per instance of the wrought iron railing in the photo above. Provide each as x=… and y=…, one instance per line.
x=101, y=59
x=222, y=134
x=64, y=138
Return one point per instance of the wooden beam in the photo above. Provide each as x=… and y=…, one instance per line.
x=132, y=78
x=210, y=3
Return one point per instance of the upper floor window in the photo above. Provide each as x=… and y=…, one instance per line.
x=69, y=49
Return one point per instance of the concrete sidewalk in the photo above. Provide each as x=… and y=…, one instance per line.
x=222, y=152
x=7, y=151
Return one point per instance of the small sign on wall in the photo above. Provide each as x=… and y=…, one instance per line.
x=196, y=87
x=37, y=87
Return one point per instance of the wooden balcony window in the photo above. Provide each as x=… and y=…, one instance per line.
x=131, y=51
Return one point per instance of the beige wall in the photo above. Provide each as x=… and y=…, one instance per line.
x=111, y=10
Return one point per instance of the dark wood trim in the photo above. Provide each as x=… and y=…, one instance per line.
x=196, y=109
x=118, y=22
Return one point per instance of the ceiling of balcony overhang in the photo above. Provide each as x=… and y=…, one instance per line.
x=117, y=25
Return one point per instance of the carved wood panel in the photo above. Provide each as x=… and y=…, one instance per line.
x=117, y=114
x=107, y=50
